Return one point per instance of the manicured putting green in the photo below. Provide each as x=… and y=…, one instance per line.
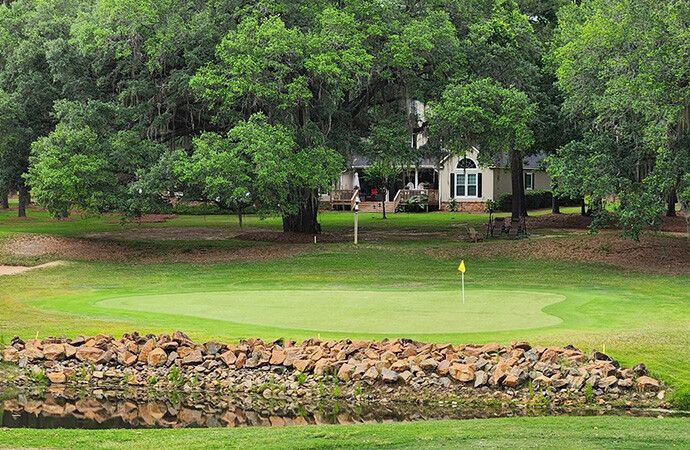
x=390, y=312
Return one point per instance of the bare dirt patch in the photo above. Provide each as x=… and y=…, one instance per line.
x=652, y=253
x=292, y=238
x=166, y=234
x=14, y=270
x=578, y=221
x=147, y=218
x=89, y=249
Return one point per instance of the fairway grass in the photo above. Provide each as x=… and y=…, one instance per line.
x=395, y=313
x=537, y=432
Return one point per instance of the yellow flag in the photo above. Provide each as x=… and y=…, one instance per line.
x=461, y=268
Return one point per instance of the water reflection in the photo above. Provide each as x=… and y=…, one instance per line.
x=118, y=409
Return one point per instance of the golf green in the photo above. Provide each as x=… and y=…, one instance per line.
x=356, y=311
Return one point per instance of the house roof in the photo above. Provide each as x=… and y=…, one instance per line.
x=529, y=162
x=359, y=161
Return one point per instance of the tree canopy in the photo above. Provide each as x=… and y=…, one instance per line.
x=107, y=105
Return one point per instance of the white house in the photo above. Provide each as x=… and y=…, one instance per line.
x=455, y=177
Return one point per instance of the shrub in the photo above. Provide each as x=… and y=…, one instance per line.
x=534, y=200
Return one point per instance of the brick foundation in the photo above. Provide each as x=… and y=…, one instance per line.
x=469, y=207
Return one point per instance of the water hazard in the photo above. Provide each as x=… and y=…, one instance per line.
x=66, y=408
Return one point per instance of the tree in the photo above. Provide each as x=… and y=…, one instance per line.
x=382, y=175
x=32, y=35
x=625, y=84
x=494, y=118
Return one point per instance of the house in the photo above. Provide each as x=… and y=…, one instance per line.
x=453, y=179
x=458, y=178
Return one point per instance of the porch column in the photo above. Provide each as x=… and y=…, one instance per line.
x=416, y=178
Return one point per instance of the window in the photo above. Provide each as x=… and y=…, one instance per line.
x=529, y=181
x=466, y=185
x=466, y=163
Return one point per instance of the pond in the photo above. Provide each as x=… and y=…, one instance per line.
x=66, y=408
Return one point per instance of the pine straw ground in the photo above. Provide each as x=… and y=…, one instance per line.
x=658, y=254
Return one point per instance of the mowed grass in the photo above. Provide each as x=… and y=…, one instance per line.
x=540, y=432
x=392, y=312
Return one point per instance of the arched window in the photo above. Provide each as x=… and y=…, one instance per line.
x=467, y=179
x=466, y=163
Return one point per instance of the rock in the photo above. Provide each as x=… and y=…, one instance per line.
x=98, y=374
x=146, y=349
x=56, y=377
x=10, y=354
x=212, y=347
x=607, y=382
x=462, y=372
x=480, y=378
x=321, y=367
x=182, y=339
x=128, y=358
x=640, y=370
x=193, y=358
x=89, y=354
x=512, y=380
x=626, y=383
x=371, y=374
x=389, y=376
x=302, y=364
x=428, y=364
x=598, y=356
x=70, y=350
x=241, y=359
x=169, y=346
x=345, y=372
x=184, y=351
x=406, y=376
x=229, y=358
x=54, y=351
x=400, y=366
x=157, y=357
x=645, y=383
x=443, y=367
x=491, y=347
x=31, y=354
x=277, y=357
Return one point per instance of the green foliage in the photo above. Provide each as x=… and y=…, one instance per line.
x=533, y=199
x=301, y=378
x=624, y=86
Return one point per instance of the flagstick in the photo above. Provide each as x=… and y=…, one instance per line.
x=463, y=288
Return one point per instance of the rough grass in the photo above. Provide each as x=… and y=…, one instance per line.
x=541, y=432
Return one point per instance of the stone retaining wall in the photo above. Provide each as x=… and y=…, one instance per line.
x=397, y=369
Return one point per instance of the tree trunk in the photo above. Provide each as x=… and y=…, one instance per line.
x=555, y=205
x=518, y=191
x=671, y=211
x=305, y=221
x=239, y=218
x=23, y=200
x=583, y=207
x=5, y=198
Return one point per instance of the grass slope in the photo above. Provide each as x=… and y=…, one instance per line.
x=541, y=432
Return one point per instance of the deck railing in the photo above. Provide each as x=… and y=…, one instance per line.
x=404, y=195
x=344, y=197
